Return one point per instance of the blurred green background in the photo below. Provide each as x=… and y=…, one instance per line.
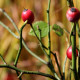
x=9, y=45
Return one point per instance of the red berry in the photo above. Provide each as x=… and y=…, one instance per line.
x=9, y=77
x=27, y=15
x=69, y=52
x=73, y=14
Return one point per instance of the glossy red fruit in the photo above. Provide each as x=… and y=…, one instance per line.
x=73, y=14
x=9, y=77
x=27, y=15
x=69, y=52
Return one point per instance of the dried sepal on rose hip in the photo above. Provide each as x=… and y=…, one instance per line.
x=73, y=14
x=69, y=53
x=27, y=15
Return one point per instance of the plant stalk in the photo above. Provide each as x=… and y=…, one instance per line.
x=79, y=60
x=78, y=29
x=64, y=68
x=20, y=48
x=70, y=3
x=28, y=72
x=74, y=52
x=48, y=19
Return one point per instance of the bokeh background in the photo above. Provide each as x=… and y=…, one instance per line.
x=10, y=45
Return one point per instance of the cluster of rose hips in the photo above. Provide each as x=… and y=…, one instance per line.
x=73, y=15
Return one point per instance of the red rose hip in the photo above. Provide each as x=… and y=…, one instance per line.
x=73, y=14
x=69, y=52
x=27, y=15
x=9, y=77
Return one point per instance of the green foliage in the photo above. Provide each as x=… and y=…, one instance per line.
x=58, y=30
x=43, y=26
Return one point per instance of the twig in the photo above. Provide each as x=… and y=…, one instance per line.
x=50, y=65
x=2, y=59
x=20, y=48
x=54, y=54
x=20, y=74
x=7, y=28
x=74, y=51
x=70, y=3
x=11, y=20
x=28, y=72
x=49, y=41
x=39, y=39
x=64, y=68
x=42, y=44
x=48, y=19
x=78, y=29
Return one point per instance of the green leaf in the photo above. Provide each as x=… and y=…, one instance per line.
x=58, y=30
x=43, y=26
